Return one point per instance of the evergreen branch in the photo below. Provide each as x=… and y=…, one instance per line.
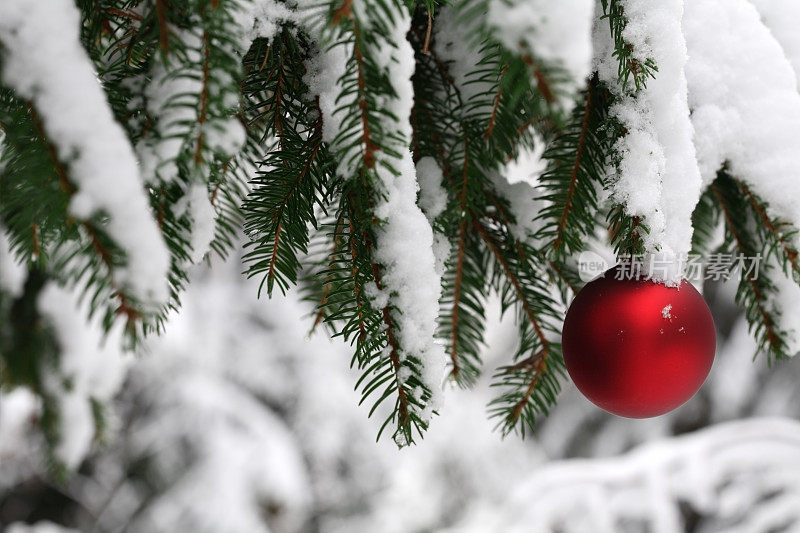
x=515, y=282
x=363, y=105
x=532, y=384
x=342, y=12
x=574, y=175
x=542, y=81
x=630, y=66
x=403, y=402
x=705, y=221
x=203, y=114
x=357, y=290
x=777, y=232
x=281, y=206
x=493, y=118
x=126, y=306
x=755, y=288
x=459, y=269
x=576, y=166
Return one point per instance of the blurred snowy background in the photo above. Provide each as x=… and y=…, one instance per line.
x=238, y=421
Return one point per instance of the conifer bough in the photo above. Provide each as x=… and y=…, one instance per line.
x=364, y=148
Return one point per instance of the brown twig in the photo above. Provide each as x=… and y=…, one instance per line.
x=426, y=44
x=369, y=146
x=356, y=287
x=124, y=14
x=541, y=79
x=331, y=265
x=163, y=37
x=536, y=365
x=203, y=116
x=343, y=11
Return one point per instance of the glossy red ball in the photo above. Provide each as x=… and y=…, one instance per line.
x=637, y=348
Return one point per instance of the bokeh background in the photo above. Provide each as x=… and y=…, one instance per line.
x=240, y=420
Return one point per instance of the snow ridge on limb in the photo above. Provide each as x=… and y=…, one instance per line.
x=754, y=124
x=657, y=178
x=405, y=236
x=373, y=151
x=44, y=62
x=558, y=32
x=781, y=18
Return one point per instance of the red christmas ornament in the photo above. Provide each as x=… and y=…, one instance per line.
x=637, y=348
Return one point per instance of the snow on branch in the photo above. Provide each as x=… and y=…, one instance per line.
x=363, y=80
x=44, y=62
x=657, y=178
x=781, y=18
x=559, y=33
x=753, y=125
x=405, y=238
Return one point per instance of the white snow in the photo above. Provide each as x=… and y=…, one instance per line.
x=172, y=99
x=517, y=183
x=39, y=527
x=432, y=194
x=235, y=406
x=666, y=313
x=323, y=77
x=90, y=366
x=658, y=177
x=454, y=44
x=782, y=18
x=203, y=221
x=405, y=239
x=433, y=201
x=723, y=470
x=262, y=18
x=44, y=62
x=745, y=103
x=224, y=136
x=558, y=33
x=12, y=273
x=19, y=411
x=528, y=165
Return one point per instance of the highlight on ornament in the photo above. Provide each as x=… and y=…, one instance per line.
x=636, y=347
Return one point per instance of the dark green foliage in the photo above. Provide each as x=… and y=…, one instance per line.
x=36, y=190
x=28, y=349
x=26, y=342
x=471, y=139
x=530, y=385
x=750, y=233
x=705, y=221
x=577, y=160
x=297, y=174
